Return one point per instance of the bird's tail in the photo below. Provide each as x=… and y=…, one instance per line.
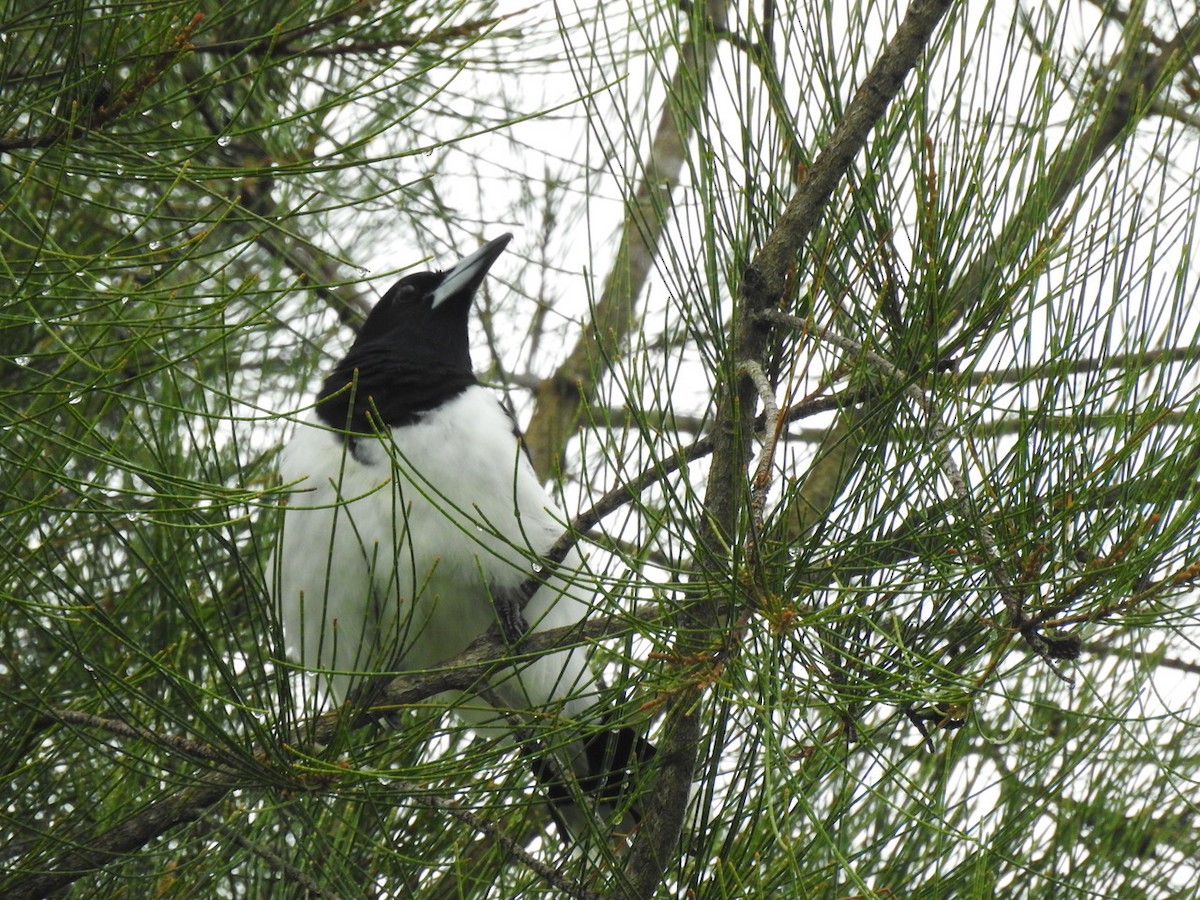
x=605, y=769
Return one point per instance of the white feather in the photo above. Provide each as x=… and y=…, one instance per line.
x=377, y=570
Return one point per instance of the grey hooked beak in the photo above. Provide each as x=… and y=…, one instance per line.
x=468, y=273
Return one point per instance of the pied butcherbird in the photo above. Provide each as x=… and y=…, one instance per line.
x=414, y=521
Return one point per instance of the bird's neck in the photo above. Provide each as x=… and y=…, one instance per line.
x=363, y=396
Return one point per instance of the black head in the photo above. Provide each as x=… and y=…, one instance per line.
x=413, y=351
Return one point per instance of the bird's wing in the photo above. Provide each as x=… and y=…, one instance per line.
x=335, y=548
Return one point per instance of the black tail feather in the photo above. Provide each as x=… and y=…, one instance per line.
x=613, y=757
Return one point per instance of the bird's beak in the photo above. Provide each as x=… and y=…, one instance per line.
x=468, y=273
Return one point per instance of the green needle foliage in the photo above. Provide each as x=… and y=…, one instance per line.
x=861, y=337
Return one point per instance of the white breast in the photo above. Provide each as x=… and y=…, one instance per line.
x=389, y=551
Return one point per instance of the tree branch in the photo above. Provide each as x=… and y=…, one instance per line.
x=1132, y=98
x=469, y=670
x=561, y=399
x=184, y=746
x=286, y=44
x=631, y=488
x=1002, y=581
x=1141, y=78
x=764, y=285
x=103, y=114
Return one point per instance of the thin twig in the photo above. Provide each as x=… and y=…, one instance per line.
x=760, y=484
x=1002, y=583
x=293, y=873
x=632, y=488
x=186, y=746
x=549, y=874
x=489, y=653
x=470, y=669
x=179, y=45
x=285, y=44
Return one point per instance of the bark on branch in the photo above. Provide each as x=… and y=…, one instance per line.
x=82, y=854
x=563, y=397
x=727, y=494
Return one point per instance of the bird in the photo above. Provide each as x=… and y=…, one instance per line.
x=413, y=520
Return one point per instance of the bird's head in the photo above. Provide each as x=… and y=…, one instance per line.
x=424, y=316
x=414, y=345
